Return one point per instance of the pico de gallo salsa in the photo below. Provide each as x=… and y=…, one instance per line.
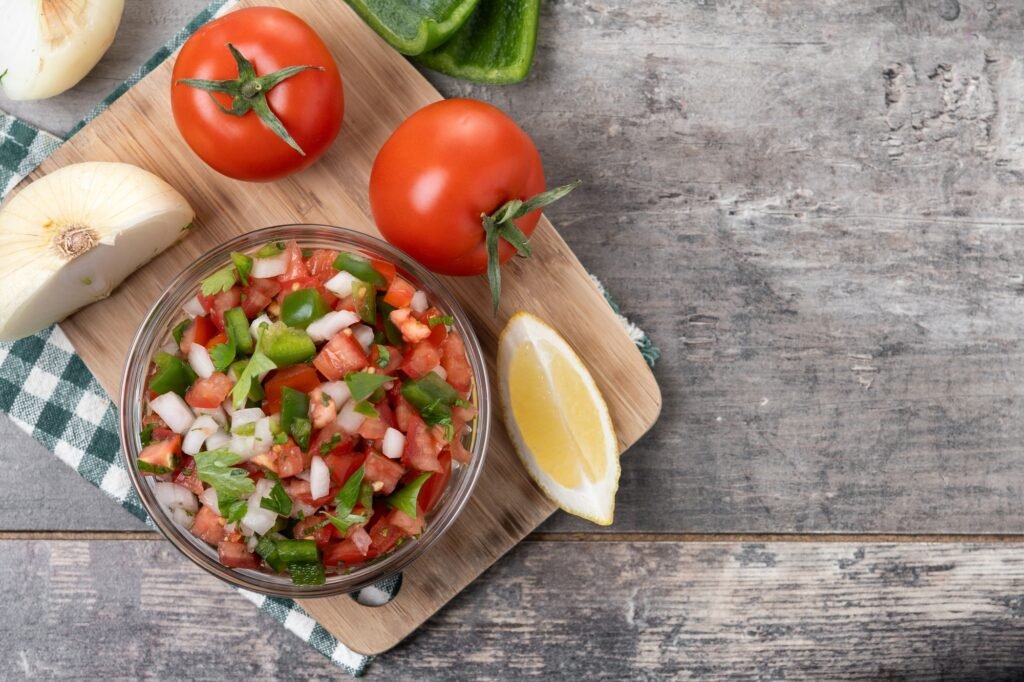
x=305, y=417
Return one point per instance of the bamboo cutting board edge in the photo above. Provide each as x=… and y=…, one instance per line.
x=506, y=506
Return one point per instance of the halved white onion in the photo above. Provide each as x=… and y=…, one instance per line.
x=330, y=324
x=48, y=46
x=174, y=411
x=72, y=236
x=394, y=443
x=269, y=267
x=340, y=284
x=199, y=360
x=319, y=478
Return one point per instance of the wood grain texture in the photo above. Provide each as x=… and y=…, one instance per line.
x=382, y=91
x=668, y=611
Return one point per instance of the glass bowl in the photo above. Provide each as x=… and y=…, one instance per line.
x=155, y=332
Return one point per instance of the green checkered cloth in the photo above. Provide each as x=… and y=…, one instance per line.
x=48, y=392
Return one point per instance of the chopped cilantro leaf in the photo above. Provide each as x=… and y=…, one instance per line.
x=270, y=250
x=362, y=384
x=237, y=510
x=280, y=438
x=461, y=403
x=217, y=469
x=349, y=493
x=258, y=364
x=325, y=448
x=366, y=409
x=146, y=435
x=179, y=330
x=383, y=356
x=243, y=264
x=222, y=280
x=278, y=501
x=440, y=319
x=404, y=499
x=223, y=354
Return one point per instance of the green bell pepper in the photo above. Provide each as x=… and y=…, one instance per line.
x=286, y=345
x=432, y=396
x=172, y=374
x=360, y=268
x=366, y=301
x=300, y=308
x=295, y=415
x=236, y=324
x=496, y=45
x=414, y=26
x=291, y=551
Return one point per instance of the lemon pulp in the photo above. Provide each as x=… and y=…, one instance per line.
x=554, y=410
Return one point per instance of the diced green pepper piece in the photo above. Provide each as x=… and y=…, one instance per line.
x=391, y=333
x=307, y=573
x=270, y=249
x=414, y=26
x=496, y=45
x=292, y=551
x=360, y=268
x=432, y=396
x=179, y=330
x=302, y=307
x=366, y=301
x=236, y=324
x=267, y=549
x=243, y=264
x=286, y=345
x=294, y=404
x=172, y=374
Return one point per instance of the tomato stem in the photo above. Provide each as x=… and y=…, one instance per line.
x=501, y=225
x=249, y=93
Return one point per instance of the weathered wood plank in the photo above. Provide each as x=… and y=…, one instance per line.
x=814, y=208
x=127, y=610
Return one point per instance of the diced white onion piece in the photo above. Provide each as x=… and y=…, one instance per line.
x=182, y=517
x=340, y=284
x=364, y=335
x=172, y=496
x=228, y=407
x=249, y=415
x=330, y=324
x=217, y=440
x=202, y=428
x=199, y=360
x=209, y=499
x=173, y=410
x=243, y=446
x=302, y=508
x=216, y=413
x=264, y=436
x=337, y=390
x=269, y=267
x=319, y=478
x=251, y=543
x=303, y=475
x=394, y=443
x=419, y=301
x=257, y=519
x=349, y=419
x=254, y=327
x=441, y=372
x=170, y=348
x=194, y=308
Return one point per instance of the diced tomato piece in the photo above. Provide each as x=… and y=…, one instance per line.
x=304, y=530
x=188, y=478
x=413, y=331
x=348, y=303
x=434, y=487
x=373, y=428
x=325, y=436
x=400, y=293
x=162, y=432
x=359, y=537
x=394, y=359
x=292, y=285
x=383, y=536
x=380, y=469
x=343, y=465
x=216, y=341
x=299, y=490
x=345, y=552
x=299, y=377
x=199, y=332
x=455, y=363
x=258, y=295
x=387, y=270
x=236, y=555
x=341, y=355
x=421, y=359
x=208, y=526
x=404, y=411
x=410, y=526
x=421, y=449
x=222, y=302
x=284, y=459
x=210, y=392
x=321, y=264
x=458, y=450
x=160, y=457
x=296, y=268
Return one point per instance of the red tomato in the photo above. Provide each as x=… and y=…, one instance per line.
x=345, y=552
x=296, y=269
x=404, y=412
x=161, y=455
x=383, y=536
x=258, y=295
x=421, y=359
x=434, y=486
x=188, y=478
x=343, y=465
x=341, y=355
x=300, y=377
x=221, y=303
x=321, y=264
x=216, y=341
x=208, y=526
x=379, y=468
x=455, y=363
x=289, y=459
x=199, y=332
x=236, y=555
x=394, y=359
x=388, y=270
x=210, y=392
x=409, y=525
x=400, y=293
x=310, y=104
x=421, y=449
x=447, y=164
x=304, y=530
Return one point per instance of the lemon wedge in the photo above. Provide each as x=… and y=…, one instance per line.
x=557, y=419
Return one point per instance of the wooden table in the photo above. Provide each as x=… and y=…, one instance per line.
x=813, y=209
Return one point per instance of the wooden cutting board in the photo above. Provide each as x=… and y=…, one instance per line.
x=381, y=90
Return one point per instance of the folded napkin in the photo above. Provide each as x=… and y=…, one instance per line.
x=49, y=393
